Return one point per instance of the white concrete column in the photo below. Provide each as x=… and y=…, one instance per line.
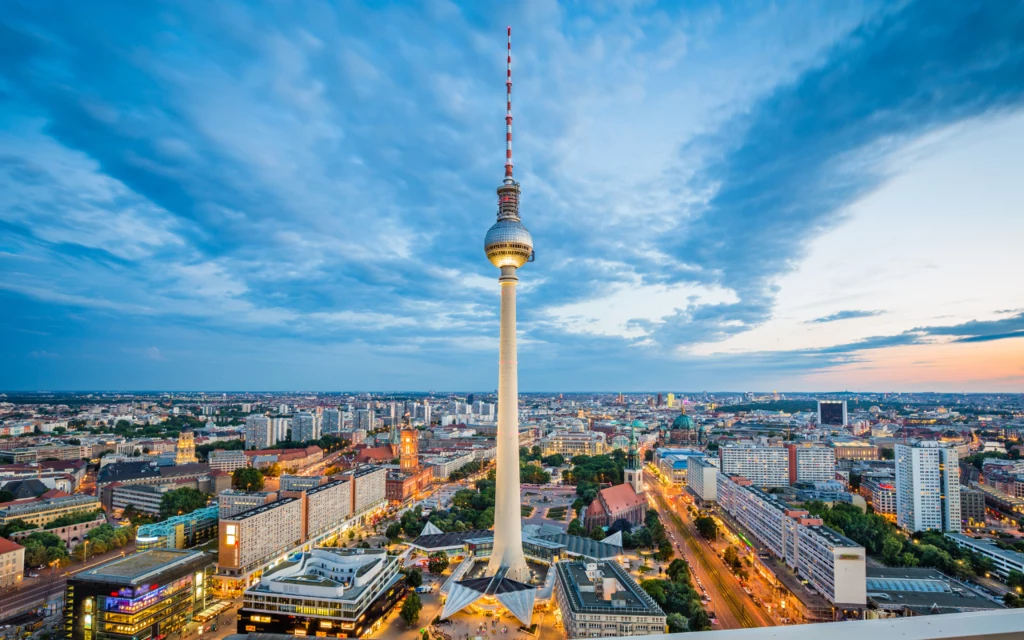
x=508, y=533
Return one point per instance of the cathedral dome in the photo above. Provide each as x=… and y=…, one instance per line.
x=683, y=421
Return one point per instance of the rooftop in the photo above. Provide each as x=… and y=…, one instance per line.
x=923, y=591
x=139, y=566
x=585, y=595
x=263, y=508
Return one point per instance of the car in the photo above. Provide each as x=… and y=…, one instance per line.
x=33, y=575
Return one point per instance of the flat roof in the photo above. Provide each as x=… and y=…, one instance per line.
x=629, y=599
x=989, y=546
x=924, y=591
x=255, y=511
x=138, y=566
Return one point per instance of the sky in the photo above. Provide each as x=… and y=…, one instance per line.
x=293, y=196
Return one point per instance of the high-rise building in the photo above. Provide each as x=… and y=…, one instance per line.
x=332, y=421
x=832, y=413
x=364, y=420
x=304, y=427
x=927, y=487
x=670, y=400
x=258, y=434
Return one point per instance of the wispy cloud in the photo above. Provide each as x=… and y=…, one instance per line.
x=848, y=314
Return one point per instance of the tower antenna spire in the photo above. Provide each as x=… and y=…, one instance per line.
x=508, y=113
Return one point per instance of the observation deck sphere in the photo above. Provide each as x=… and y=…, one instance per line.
x=508, y=243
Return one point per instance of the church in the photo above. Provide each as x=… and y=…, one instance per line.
x=626, y=501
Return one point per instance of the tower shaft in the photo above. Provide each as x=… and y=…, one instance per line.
x=508, y=534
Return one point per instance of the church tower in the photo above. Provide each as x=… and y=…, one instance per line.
x=634, y=473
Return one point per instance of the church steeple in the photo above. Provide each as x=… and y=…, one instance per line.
x=633, y=474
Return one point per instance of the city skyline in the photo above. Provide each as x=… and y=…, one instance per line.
x=814, y=198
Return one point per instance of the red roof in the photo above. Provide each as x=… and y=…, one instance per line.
x=6, y=546
x=375, y=453
x=621, y=497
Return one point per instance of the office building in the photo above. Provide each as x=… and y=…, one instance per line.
x=574, y=443
x=927, y=487
x=258, y=434
x=443, y=466
x=143, y=498
x=305, y=427
x=832, y=564
x=233, y=502
x=227, y=461
x=150, y=594
x=763, y=466
x=702, y=479
x=972, y=507
x=12, y=563
x=41, y=512
x=599, y=599
x=832, y=413
x=338, y=593
x=333, y=421
x=811, y=463
x=180, y=532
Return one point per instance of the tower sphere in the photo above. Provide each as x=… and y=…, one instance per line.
x=508, y=243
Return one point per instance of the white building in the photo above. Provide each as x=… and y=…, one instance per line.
x=333, y=420
x=702, y=478
x=763, y=466
x=258, y=434
x=228, y=461
x=832, y=564
x=927, y=487
x=811, y=463
x=1004, y=560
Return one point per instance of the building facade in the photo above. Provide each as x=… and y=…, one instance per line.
x=12, y=563
x=574, y=443
x=811, y=463
x=227, y=461
x=972, y=507
x=180, y=532
x=150, y=594
x=43, y=512
x=258, y=432
x=338, y=593
x=927, y=487
x=832, y=564
x=702, y=479
x=763, y=466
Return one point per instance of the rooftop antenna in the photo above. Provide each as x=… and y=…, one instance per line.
x=508, y=114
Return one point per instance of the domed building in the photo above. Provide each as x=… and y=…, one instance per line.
x=684, y=430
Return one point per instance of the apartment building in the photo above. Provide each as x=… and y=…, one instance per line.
x=443, y=466
x=702, y=478
x=300, y=483
x=881, y=494
x=832, y=564
x=811, y=463
x=369, y=489
x=305, y=427
x=327, y=506
x=763, y=466
x=253, y=538
x=258, y=432
x=972, y=507
x=927, y=487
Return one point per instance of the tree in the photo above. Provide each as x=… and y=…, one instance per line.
x=413, y=577
x=731, y=557
x=393, y=532
x=554, y=460
x=6, y=496
x=180, y=501
x=411, y=608
x=273, y=470
x=676, y=623
x=575, y=528
x=247, y=479
x=649, y=455
x=1015, y=579
x=706, y=527
x=437, y=562
x=678, y=571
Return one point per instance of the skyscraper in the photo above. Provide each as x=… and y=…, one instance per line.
x=257, y=432
x=508, y=246
x=305, y=427
x=927, y=487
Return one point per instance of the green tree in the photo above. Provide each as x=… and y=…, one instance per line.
x=437, y=562
x=247, y=479
x=575, y=528
x=676, y=623
x=731, y=557
x=393, y=532
x=6, y=496
x=273, y=470
x=649, y=455
x=706, y=527
x=411, y=608
x=678, y=571
x=554, y=460
x=413, y=577
x=180, y=501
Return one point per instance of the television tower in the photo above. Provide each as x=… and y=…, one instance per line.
x=508, y=246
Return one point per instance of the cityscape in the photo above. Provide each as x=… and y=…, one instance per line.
x=757, y=374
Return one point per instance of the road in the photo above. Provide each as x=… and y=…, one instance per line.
x=731, y=605
x=31, y=593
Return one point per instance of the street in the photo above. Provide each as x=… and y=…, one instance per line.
x=733, y=608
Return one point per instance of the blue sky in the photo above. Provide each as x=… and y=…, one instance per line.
x=283, y=195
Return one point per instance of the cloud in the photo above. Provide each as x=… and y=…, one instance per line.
x=848, y=314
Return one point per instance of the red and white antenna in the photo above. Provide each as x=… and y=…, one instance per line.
x=508, y=114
